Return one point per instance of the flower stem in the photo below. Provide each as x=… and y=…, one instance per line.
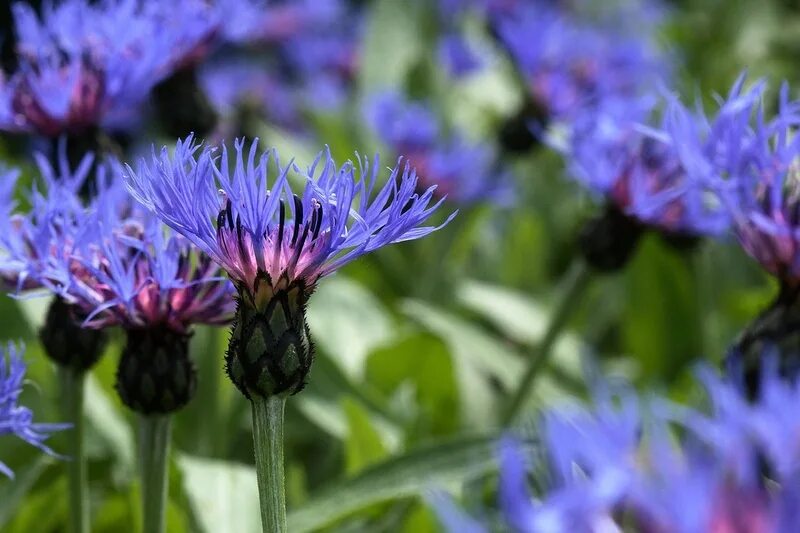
x=268, y=440
x=72, y=391
x=575, y=284
x=154, y=437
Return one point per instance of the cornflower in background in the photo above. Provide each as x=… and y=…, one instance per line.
x=464, y=171
x=640, y=174
x=34, y=245
x=84, y=66
x=16, y=419
x=751, y=164
x=130, y=271
x=568, y=62
x=626, y=465
x=241, y=89
x=312, y=48
x=276, y=245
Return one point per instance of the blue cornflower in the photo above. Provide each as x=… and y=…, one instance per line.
x=637, y=169
x=650, y=466
x=274, y=244
x=133, y=272
x=312, y=50
x=232, y=86
x=35, y=243
x=269, y=21
x=750, y=160
x=85, y=65
x=253, y=228
x=462, y=170
x=16, y=419
x=568, y=63
x=458, y=55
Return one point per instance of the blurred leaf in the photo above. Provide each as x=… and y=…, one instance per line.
x=422, y=361
x=347, y=322
x=107, y=421
x=223, y=495
x=398, y=477
x=44, y=510
x=12, y=492
x=661, y=325
x=391, y=45
x=363, y=445
x=478, y=356
x=326, y=414
x=522, y=319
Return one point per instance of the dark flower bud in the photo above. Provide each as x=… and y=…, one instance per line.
x=516, y=135
x=680, y=241
x=66, y=342
x=270, y=351
x=775, y=331
x=182, y=106
x=155, y=374
x=608, y=241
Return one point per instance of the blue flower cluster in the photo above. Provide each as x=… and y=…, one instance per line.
x=623, y=464
x=464, y=171
x=84, y=65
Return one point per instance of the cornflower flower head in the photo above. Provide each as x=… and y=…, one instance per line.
x=86, y=65
x=613, y=153
x=16, y=419
x=568, y=63
x=35, y=246
x=269, y=21
x=655, y=466
x=313, y=52
x=461, y=170
x=754, y=167
x=235, y=87
x=129, y=270
x=274, y=244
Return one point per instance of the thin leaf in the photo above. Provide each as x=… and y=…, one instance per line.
x=399, y=477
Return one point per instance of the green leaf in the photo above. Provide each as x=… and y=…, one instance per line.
x=391, y=45
x=222, y=495
x=109, y=423
x=521, y=318
x=12, y=492
x=422, y=363
x=399, y=477
x=477, y=356
x=364, y=445
x=662, y=325
x=347, y=322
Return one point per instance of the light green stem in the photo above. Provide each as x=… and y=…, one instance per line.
x=576, y=283
x=268, y=440
x=154, y=437
x=72, y=387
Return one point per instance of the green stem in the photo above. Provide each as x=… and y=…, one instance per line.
x=268, y=440
x=154, y=437
x=574, y=286
x=72, y=392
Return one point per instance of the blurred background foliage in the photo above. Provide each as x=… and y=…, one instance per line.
x=419, y=344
